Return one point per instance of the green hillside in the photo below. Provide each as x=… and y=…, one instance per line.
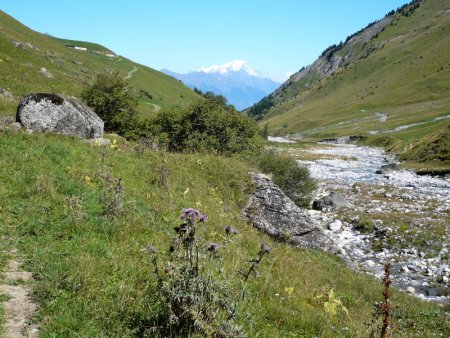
x=23, y=52
x=92, y=277
x=394, y=73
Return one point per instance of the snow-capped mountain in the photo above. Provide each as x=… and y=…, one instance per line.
x=236, y=80
x=232, y=66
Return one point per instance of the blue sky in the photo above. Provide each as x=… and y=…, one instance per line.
x=273, y=36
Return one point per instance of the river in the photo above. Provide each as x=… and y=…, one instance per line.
x=410, y=216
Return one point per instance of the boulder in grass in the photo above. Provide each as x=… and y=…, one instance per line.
x=271, y=211
x=47, y=112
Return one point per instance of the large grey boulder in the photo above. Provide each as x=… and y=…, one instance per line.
x=59, y=114
x=270, y=210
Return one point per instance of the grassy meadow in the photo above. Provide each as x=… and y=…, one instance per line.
x=93, y=278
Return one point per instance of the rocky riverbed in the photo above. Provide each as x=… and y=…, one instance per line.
x=395, y=215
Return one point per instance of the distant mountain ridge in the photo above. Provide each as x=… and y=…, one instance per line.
x=235, y=80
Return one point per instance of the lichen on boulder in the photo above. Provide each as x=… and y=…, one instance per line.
x=270, y=210
x=48, y=112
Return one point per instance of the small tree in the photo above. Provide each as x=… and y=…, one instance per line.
x=113, y=101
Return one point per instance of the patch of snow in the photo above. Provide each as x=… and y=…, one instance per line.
x=232, y=66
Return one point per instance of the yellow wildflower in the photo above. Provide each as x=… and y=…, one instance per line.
x=114, y=145
x=289, y=290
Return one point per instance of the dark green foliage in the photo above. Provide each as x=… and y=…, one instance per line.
x=146, y=94
x=409, y=8
x=364, y=225
x=330, y=51
x=218, y=99
x=292, y=178
x=208, y=127
x=262, y=107
x=113, y=101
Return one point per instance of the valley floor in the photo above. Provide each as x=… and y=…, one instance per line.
x=396, y=216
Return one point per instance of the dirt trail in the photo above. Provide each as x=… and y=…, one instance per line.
x=130, y=73
x=156, y=108
x=19, y=308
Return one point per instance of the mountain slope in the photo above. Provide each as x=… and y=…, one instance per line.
x=23, y=53
x=392, y=74
x=238, y=82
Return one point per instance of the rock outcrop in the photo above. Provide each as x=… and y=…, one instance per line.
x=6, y=95
x=270, y=210
x=46, y=73
x=335, y=200
x=56, y=113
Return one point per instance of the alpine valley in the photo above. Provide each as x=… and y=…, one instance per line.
x=220, y=203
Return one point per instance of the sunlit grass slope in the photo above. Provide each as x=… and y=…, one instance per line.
x=72, y=69
x=92, y=278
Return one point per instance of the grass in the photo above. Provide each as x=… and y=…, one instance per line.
x=19, y=69
x=408, y=79
x=93, y=279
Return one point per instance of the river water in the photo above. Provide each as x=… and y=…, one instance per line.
x=361, y=165
x=424, y=201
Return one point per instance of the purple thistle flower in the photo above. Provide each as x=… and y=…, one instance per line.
x=190, y=214
x=213, y=247
x=230, y=230
x=203, y=218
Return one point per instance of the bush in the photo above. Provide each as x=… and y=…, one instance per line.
x=113, y=101
x=207, y=127
x=292, y=178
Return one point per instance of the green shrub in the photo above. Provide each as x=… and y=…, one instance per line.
x=113, y=101
x=207, y=127
x=292, y=178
